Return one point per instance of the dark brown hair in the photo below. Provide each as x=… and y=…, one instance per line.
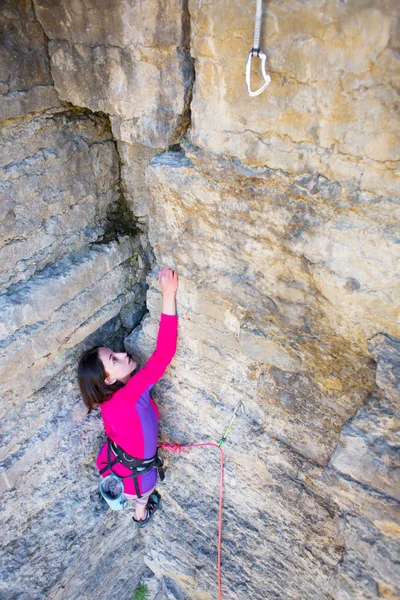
x=91, y=376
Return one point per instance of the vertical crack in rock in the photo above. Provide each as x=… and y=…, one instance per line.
x=121, y=221
x=186, y=62
x=88, y=290
x=32, y=6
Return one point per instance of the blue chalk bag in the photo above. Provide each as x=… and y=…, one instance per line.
x=112, y=490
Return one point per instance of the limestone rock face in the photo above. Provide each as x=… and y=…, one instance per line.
x=293, y=247
x=49, y=209
x=305, y=492
x=363, y=478
x=55, y=290
x=25, y=80
x=134, y=160
x=60, y=308
x=129, y=60
x=264, y=255
x=331, y=106
x=273, y=528
x=280, y=214
x=72, y=276
x=51, y=546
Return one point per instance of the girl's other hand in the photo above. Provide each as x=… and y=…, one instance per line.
x=168, y=280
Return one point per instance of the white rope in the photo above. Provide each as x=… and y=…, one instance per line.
x=257, y=26
x=255, y=51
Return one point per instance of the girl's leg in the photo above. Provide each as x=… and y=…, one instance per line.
x=140, y=508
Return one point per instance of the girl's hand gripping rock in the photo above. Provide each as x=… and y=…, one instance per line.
x=168, y=280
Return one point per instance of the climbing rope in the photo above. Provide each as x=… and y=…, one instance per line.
x=255, y=51
x=181, y=448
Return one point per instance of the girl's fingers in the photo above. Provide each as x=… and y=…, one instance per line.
x=165, y=272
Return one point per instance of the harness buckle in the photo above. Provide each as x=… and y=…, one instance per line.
x=266, y=77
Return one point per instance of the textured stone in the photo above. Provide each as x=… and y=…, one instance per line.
x=288, y=260
x=123, y=62
x=290, y=245
x=368, y=449
x=25, y=81
x=387, y=355
x=58, y=309
x=264, y=249
x=265, y=542
x=29, y=303
x=134, y=160
x=362, y=477
x=259, y=349
x=368, y=563
x=66, y=274
x=331, y=64
x=368, y=445
x=48, y=208
x=249, y=332
x=287, y=515
x=54, y=518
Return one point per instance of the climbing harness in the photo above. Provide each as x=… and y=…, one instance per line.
x=115, y=454
x=181, y=448
x=255, y=51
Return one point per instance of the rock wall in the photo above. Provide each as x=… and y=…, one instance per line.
x=280, y=214
x=331, y=107
x=130, y=61
x=311, y=505
x=72, y=275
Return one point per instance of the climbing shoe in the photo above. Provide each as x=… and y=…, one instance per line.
x=152, y=505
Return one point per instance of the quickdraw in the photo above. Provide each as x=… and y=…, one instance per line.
x=239, y=405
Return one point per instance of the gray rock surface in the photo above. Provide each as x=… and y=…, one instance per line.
x=282, y=222
x=58, y=309
x=49, y=209
x=331, y=106
x=60, y=540
x=252, y=248
x=284, y=514
x=134, y=160
x=130, y=60
x=250, y=332
x=363, y=477
x=26, y=85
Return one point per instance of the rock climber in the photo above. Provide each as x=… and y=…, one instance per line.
x=110, y=381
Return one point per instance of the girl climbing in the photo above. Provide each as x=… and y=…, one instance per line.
x=130, y=416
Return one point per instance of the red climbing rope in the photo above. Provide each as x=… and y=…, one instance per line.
x=179, y=448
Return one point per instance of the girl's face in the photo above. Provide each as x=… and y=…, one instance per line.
x=118, y=365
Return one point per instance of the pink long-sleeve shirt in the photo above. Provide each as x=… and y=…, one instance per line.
x=130, y=417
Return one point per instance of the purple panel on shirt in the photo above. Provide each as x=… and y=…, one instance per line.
x=149, y=423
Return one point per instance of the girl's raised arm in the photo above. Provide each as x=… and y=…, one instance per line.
x=157, y=364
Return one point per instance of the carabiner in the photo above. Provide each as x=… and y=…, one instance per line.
x=266, y=77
